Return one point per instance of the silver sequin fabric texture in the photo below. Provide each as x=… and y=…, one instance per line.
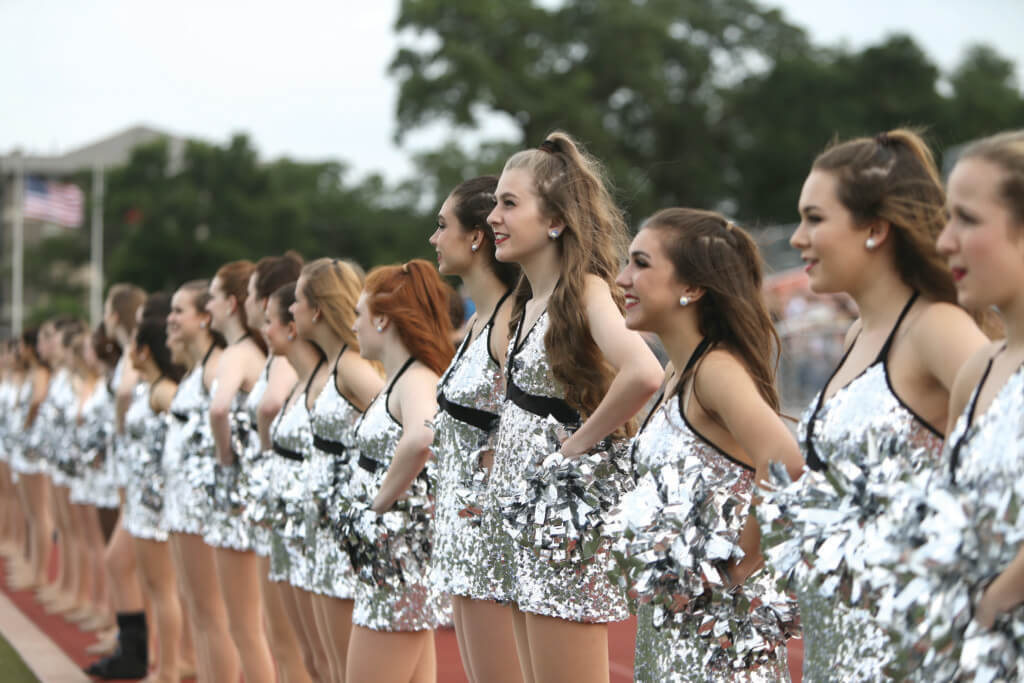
x=228, y=526
x=289, y=557
x=333, y=418
x=57, y=416
x=843, y=642
x=188, y=458
x=254, y=468
x=676, y=650
x=94, y=485
x=14, y=443
x=145, y=434
x=464, y=562
x=416, y=605
x=580, y=592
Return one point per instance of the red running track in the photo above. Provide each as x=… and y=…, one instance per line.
x=621, y=639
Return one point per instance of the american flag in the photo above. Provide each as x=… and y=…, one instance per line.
x=54, y=202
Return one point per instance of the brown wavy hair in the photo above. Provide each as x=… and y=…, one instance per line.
x=125, y=300
x=234, y=280
x=273, y=272
x=415, y=298
x=893, y=177
x=572, y=187
x=710, y=252
x=1005, y=150
x=333, y=286
x=473, y=202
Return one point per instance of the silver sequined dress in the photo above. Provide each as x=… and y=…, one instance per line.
x=470, y=396
x=844, y=643
x=8, y=422
x=229, y=526
x=16, y=433
x=580, y=592
x=415, y=605
x=188, y=458
x=56, y=438
x=675, y=650
x=31, y=459
x=145, y=437
x=254, y=468
x=93, y=485
x=333, y=423
x=292, y=437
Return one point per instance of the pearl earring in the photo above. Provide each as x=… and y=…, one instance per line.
x=380, y=328
x=474, y=247
x=870, y=243
x=553, y=234
x=684, y=301
x=291, y=337
x=202, y=324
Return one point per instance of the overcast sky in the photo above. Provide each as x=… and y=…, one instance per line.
x=308, y=79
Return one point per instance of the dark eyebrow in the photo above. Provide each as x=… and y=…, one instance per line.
x=639, y=252
x=507, y=194
x=809, y=207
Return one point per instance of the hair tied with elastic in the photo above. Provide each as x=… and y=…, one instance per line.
x=405, y=268
x=548, y=146
x=883, y=140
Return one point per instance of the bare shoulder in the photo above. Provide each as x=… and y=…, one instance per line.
x=940, y=319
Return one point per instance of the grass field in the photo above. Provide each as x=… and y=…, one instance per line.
x=12, y=669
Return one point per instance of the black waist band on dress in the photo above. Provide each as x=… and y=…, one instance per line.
x=288, y=453
x=369, y=464
x=481, y=419
x=181, y=417
x=329, y=446
x=542, y=406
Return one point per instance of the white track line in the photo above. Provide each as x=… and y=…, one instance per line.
x=47, y=661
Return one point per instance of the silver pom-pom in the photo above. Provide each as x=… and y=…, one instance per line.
x=387, y=549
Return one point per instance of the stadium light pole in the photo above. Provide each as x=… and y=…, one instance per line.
x=96, y=248
x=18, y=245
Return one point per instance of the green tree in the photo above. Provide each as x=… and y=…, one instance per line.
x=986, y=96
x=642, y=84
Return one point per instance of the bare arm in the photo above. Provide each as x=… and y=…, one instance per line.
x=1005, y=593
x=414, y=404
x=40, y=387
x=944, y=339
x=966, y=380
x=358, y=379
x=230, y=375
x=638, y=373
x=123, y=396
x=282, y=379
x=163, y=394
x=727, y=390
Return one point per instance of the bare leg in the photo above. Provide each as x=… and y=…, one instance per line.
x=239, y=575
x=200, y=577
x=487, y=641
x=125, y=590
x=564, y=651
x=335, y=618
x=160, y=583
x=311, y=642
x=284, y=641
x=390, y=657
x=37, y=499
x=522, y=645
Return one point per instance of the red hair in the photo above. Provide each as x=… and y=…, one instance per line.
x=415, y=298
x=234, y=281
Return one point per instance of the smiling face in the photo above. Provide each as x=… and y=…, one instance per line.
x=185, y=321
x=830, y=242
x=452, y=242
x=649, y=282
x=519, y=223
x=981, y=241
x=302, y=311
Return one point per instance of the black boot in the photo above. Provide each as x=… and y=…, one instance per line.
x=131, y=658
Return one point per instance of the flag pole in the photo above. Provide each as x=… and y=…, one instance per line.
x=96, y=248
x=18, y=246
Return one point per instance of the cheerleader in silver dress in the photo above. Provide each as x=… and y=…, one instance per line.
x=891, y=386
x=572, y=367
x=288, y=471
x=188, y=465
x=28, y=463
x=707, y=610
x=469, y=396
x=402, y=322
x=324, y=311
x=235, y=434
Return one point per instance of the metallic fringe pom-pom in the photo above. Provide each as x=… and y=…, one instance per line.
x=387, y=549
x=559, y=506
x=674, y=537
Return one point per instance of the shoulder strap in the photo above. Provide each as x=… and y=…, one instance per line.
x=883, y=354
